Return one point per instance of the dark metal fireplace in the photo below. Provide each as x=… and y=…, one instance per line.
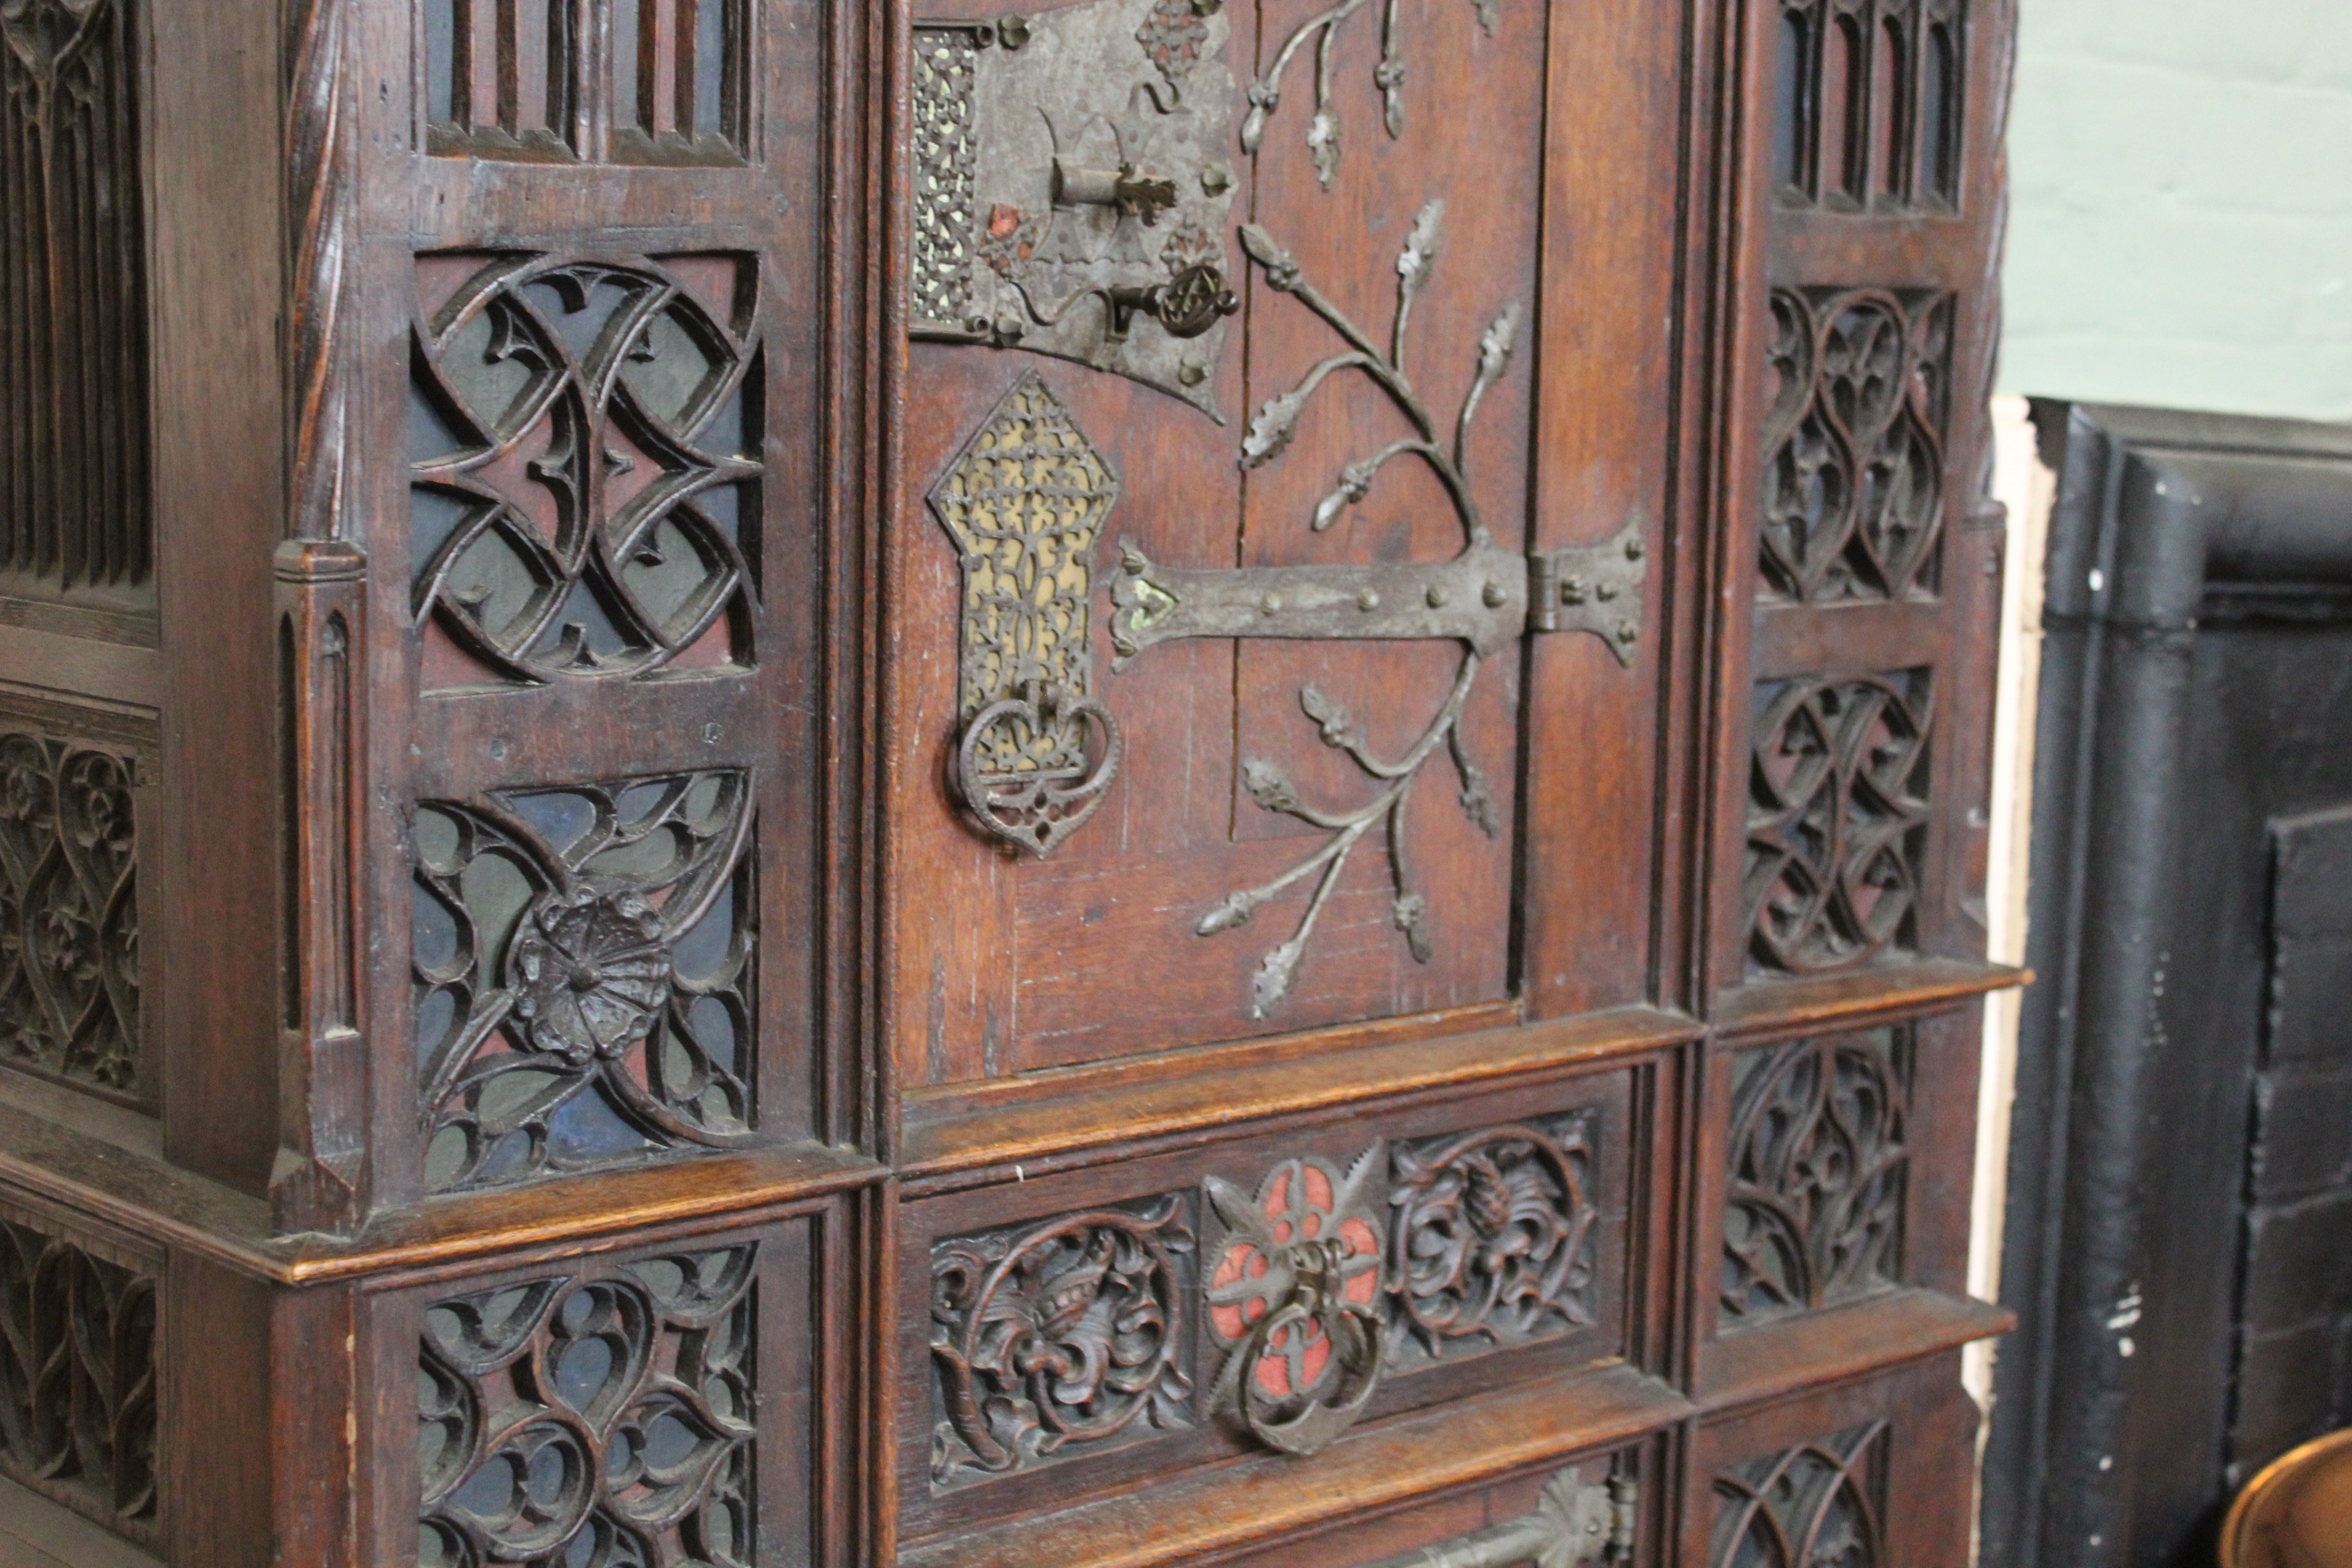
x=2179, y=1239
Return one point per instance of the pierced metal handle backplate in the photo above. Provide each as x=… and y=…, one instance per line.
x=1071, y=184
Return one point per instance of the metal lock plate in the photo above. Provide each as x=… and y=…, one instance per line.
x=1071, y=185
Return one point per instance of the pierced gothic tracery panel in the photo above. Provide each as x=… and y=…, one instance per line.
x=1818, y=1505
x=1869, y=96
x=69, y=914
x=1814, y=1197
x=624, y=81
x=605, y=1417
x=582, y=961
x=1492, y=1242
x=1067, y=1337
x=1855, y=476
x=74, y=508
x=1837, y=821
x=585, y=439
x=77, y=1376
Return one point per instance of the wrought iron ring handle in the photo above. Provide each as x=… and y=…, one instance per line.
x=1357, y=1341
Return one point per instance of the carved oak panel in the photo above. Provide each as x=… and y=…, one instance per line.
x=1855, y=493
x=69, y=976
x=77, y=1372
x=1266, y=1298
x=1837, y=821
x=607, y=1415
x=1818, y=1161
x=1869, y=103
x=624, y=81
x=1063, y=1339
x=583, y=976
x=585, y=438
x=74, y=513
x=1816, y=1506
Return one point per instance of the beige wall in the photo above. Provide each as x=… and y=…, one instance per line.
x=2181, y=232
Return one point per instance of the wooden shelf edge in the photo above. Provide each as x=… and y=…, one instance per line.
x=1863, y=997
x=1841, y=1344
x=976, y=1145
x=1236, y=1505
x=118, y=1186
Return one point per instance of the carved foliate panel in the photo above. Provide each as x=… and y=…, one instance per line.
x=1817, y=1506
x=1854, y=483
x=1837, y=821
x=1025, y=503
x=1068, y=1338
x=1869, y=100
x=1817, y=1160
x=605, y=1416
x=70, y=997
x=624, y=81
x=74, y=505
x=1493, y=1239
x=77, y=1360
x=1073, y=176
x=585, y=448
x=583, y=963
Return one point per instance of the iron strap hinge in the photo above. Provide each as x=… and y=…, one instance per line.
x=1595, y=588
x=1485, y=597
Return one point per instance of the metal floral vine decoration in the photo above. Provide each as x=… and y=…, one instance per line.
x=1269, y=434
x=1323, y=132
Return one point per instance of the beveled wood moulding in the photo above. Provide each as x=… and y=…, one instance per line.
x=1120, y=783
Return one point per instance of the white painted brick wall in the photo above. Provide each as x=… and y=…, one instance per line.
x=2181, y=228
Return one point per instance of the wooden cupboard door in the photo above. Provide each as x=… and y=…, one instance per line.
x=1225, y=456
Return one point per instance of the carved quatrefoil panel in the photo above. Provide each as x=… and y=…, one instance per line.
x=583, y=962
x=585, y=442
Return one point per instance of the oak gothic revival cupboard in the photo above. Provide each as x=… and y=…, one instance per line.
x=807, y=782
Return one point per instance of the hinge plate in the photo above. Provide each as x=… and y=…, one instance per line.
x=1595, y=588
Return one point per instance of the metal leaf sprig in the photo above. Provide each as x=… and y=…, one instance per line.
x=1269, y=434
x=1323, y=133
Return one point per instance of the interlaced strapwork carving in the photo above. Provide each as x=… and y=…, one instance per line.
x=1493, y=1239
x=1818, y=1505
x=1067, y=1337
x=583, y=958
x=68, y=914
x=585, y=440
x=1870, y=98
x=77, y=1377
x=74, y=507
x=1837, y=821
x=1854, y=486
x=1813, y=1204
x=939, y=287
x=603, y=1418
x=1025, y=503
